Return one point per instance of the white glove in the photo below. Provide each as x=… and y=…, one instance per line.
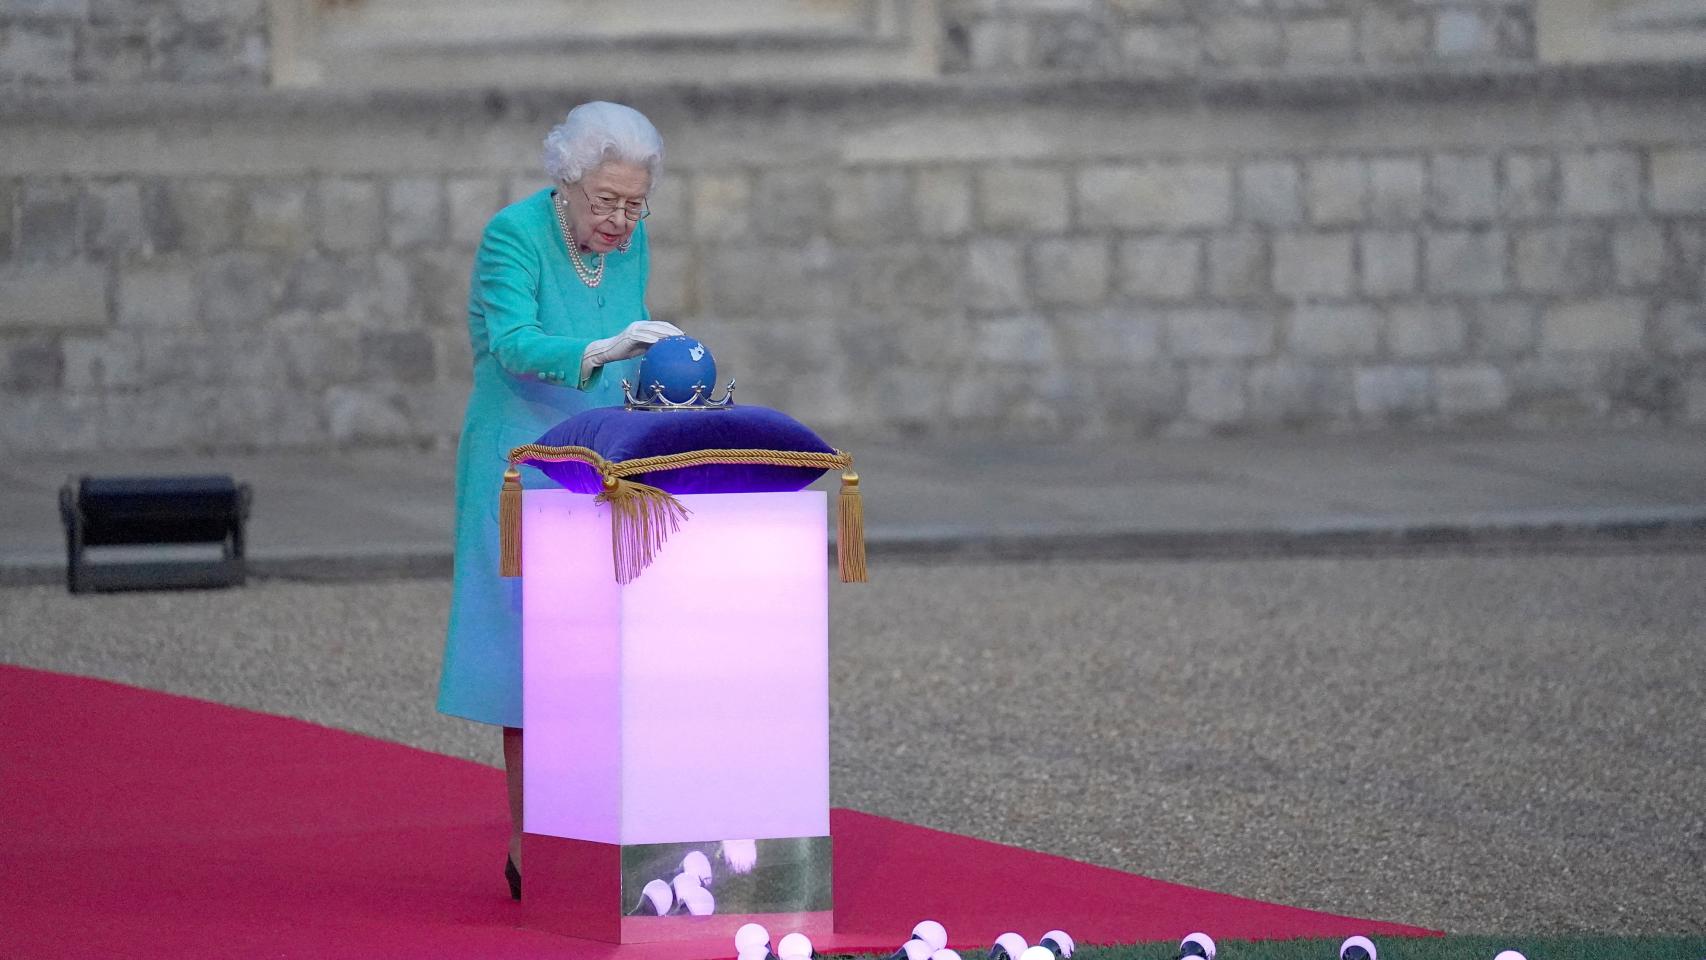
x=630, y=343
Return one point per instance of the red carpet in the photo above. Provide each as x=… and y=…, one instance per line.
x=143, y=825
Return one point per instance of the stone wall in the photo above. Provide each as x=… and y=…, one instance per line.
x=126, y=41
x=1192, y=36
x=1099, y=259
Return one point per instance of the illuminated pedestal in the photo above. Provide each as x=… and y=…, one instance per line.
x=684, y=709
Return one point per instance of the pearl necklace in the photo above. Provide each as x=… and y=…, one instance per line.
x=591, y=276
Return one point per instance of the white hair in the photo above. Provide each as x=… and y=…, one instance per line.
x=598, y=131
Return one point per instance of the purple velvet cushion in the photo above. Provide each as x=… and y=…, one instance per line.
x=620, y=434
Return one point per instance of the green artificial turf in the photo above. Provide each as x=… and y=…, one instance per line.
x=1421, y=948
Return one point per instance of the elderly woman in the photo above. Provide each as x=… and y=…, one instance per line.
x=556, y=316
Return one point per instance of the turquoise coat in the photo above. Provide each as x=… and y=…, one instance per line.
x=529, y=317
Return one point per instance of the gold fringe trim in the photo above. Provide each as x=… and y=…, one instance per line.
x=509, y=525
x=642, y=517
x=850, y=531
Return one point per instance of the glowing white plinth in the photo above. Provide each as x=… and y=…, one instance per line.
x=693, y=703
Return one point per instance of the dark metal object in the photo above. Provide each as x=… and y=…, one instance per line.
x=150, y=511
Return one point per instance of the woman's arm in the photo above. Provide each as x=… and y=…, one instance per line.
x=509, y=284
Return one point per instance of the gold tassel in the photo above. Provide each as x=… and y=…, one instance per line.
x=850, y=531
x=641, y=518
x=509, y=524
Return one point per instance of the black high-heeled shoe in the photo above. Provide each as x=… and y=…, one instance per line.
x=513, y=875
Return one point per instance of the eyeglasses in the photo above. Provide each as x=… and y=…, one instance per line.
x=632, y=209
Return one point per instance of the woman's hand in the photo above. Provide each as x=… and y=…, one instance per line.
x=630, y=343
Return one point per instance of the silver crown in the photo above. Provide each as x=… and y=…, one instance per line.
x=701, y=399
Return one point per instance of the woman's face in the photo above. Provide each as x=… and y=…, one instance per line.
x=613, y=187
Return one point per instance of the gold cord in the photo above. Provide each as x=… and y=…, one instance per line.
x=643, y=516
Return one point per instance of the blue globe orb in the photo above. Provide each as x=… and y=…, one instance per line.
x=679, y=363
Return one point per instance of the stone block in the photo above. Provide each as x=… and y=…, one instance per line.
x=1244, y=41
x=1070, y=271
x=397, y=356
x=1465, y=261
x=276, y=217
x=1390, y=262
x=238, y=289
x=1679, y=329
x=1028, y=198
x=50, y=218
x=8, y=199
x=1289, y=393
x=995, y=275
x=38, y=53
x=1645, y=388
x=1570, y=258
x=1137, y=398
x=910, y=277
x=1463, y=188
x=1160, y=268
x=672, y=290
x=671, y=211
x=156, y=295
x=30, y=365
x=1693, y=399
x=45, y=9
x=1081, y=42
x=1308, y=265
x=1397, y=189
x=995, y=43
x=1393, y=391
x=1679, y=180
x=1465, y=34
x=1270, y=192
x=1470, y=390
x=94, y=364
x=1150, y=9
x=1559, y=388
x=1337, y=190
x=870, y=205
x=414, y=211
x=316, y=284
x=1394, y=35
x=1502, y=328
x=434, y=286
x=115, y=53
x=347, y=214
x=1214, y=393
x=1238, y=265
x=1425, y=330
x=1018, y=343
x=800, y=279
x=1155, y=195
x=1640, y=255
x=219, y=12
x=1208, y=333
x=113, y=221
x=199, y=216
x=469, y=204
x=1318, y=330
x=1172, y=48
x=1319, y=40
x=358, y=413
x=942, y=199
x=1109, y=337
x=1602, y=182
x=48, y=296
x=1530, y=187
x=1605, y=325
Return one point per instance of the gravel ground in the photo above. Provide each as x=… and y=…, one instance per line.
x=1478, y=744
